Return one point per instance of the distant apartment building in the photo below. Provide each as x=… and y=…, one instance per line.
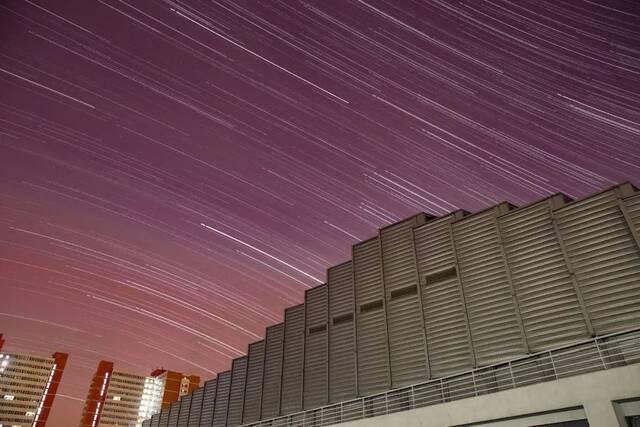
x=510, y=317
x=123, y=399
x=28, y=386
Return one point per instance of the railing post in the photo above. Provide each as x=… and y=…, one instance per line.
x=473, y=379
x=386, y=403
x=513, y=377
x=341, y=411
x=553, y=365
x=604, y=363
x=363, y=409
x=442, y=391
x=412, y=403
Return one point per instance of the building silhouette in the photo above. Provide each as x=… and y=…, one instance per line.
x=122, y=399
x=28, y=387
x=511, y=315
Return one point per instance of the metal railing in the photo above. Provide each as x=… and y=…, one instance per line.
x=595, y=354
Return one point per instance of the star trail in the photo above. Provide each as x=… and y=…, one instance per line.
x=174, y=173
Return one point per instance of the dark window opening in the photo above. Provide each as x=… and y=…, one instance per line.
x=409, y=290
x=371, y=306
x=344, y=318
x=449, y=273
x=317, y=328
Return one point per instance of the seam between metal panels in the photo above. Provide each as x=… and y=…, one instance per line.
x=386, y=311
x=569, y=265
x=463, y=300
x=514, y=292
x=628, y=220
x=355, y=322
x=419, y=286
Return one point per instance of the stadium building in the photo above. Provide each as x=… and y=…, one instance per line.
x=511, y=316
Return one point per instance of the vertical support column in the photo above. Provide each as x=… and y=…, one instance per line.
x=472, y=353
x=514, y=292
x=567, y=261
x=604, y=413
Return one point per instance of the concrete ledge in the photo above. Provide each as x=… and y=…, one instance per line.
x=594, y=391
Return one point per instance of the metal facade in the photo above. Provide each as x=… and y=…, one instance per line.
x=236, y=395
x=146, y=423
x=494, y=318
x=342, y=333
x=174, y=412
x=371, y=332
x=272, y=371
x=432, y=299
x=222, y=399
x=185, y=407
x=293, y=359
x=446, y=324
x=196, y=407
x=604, y=257
x=208, y=402
x=253, y=389
x=316, y=350
x=407, y=340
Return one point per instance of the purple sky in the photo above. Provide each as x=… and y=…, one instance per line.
x=173, y=174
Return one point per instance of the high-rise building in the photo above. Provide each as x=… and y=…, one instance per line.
x=123, y=399
x=511, y=316
x=28, y=386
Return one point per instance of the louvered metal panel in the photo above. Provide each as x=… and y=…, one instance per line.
x=164, y=418
x=494, y=318
x=632, y=207
x=316, y=349
x=549, y=301
x=196, y=407
x=605, y=258
x=293, y=361
x=342, y=341
x=146, y=423
x=371, y=327
x=155, y=420
x=448, y=337
x=236, y=395
x=185, y=407
x=253, y=389
x=174, y=412
x=407, y=346
x=208, y=403
x=222, y=399
x=272, y=371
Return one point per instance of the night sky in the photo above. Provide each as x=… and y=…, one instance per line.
x=174, y=174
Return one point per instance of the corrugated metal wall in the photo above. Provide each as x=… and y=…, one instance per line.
x=236, y=395
x=185, y=407
x=293, y=359
x=371, y=323
x=448, y=336
x=316, y=348
x=604, y=256
x=496, y=328
x=342, y=335
x=253, y=389
x=196, y=407
x=155, y=420
x=482, y=288
x=164, y=418
x=407, y=344
x=549, y=301
x=222, y=399
x=272, y=371
x=208, y=402
x=174, y=412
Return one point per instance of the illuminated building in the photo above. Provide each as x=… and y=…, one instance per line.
x=123, y=399
x=28, y=386
x=511, y=316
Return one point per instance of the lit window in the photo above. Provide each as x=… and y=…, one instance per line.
x=9, y=397
x=116, y=397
